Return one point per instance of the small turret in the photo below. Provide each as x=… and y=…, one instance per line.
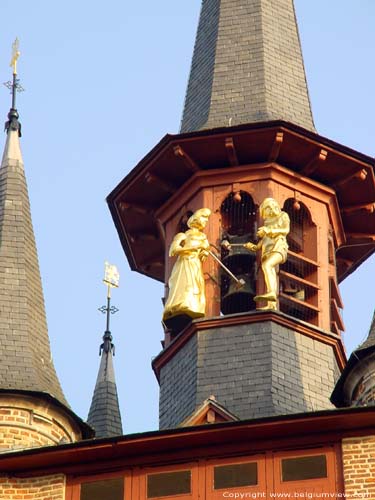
x=104, y=415
x=356, y=385
x=34, y=411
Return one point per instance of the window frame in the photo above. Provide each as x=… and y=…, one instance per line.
x=261, y=486
x=192, y=466
x=73, y=484
x=328, y=482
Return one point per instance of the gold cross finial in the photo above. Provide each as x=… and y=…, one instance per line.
x=15, y=55
x=111, y=275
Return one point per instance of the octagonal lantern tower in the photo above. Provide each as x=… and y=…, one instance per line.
x=256, y=363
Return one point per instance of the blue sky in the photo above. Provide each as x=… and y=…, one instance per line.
x=105, y=81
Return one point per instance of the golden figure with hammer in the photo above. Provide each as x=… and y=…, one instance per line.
x=273, y=245
x=186, y=283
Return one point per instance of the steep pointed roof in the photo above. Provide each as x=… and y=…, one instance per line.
x=104, y=415
x=370, y=341
x=25, y=357
x=247, y=66
x=360, y=360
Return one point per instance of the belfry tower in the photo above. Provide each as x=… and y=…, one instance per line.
x=33, y=409
x=247, y=134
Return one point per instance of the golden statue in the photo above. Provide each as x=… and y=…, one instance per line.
x=273, y=245
x=186, y=283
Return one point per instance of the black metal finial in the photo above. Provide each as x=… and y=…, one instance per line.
x=14, y=87
x=111, y=279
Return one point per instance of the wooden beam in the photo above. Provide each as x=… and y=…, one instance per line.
x=347, y=262
x=368, y=207
x=335, y=292
x=143, y=237
x=231, y=152
x=314, y=162
x=161, y=230
x=156, y=259
x=188, y=161
x=276, y=146
x=331, y=147
x=360, y=175
x=361, y=236
x=336, y=315
x=154, y=263
x=162, y=183
x=140, y=209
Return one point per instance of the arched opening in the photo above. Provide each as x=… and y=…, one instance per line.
x=182, y=223
x=238, y=215
x=298, y=276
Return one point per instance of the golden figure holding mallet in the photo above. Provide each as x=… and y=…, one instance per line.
x=186, y=283
x=273, y=245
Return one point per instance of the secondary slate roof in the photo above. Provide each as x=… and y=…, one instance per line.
x=362, y=356
x=104, y=415
x=25, y=356
x=369, y=343
x=247, y=66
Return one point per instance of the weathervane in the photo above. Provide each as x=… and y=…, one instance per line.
x=111, y=280
x=14, y=87
x=15, y=55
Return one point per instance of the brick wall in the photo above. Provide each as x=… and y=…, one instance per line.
x=29, y=422
x=39, y=488
x=359, y=466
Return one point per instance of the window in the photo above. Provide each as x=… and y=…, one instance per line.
x=168, y=483
x=235, y=475
x=297, y=469
x=108, y=489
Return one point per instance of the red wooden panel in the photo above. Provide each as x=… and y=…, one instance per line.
x=307, y=487
x=260, y=488
x=193, y=495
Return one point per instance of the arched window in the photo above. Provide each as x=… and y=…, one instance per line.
x=182, y=224
x=302, y=235
x=238, y=216
x=298, y=276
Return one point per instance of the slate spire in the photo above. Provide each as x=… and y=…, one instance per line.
x=369, y=343
x=356, y=385
x=104, y=415
x=247, y=66
x=25, y=357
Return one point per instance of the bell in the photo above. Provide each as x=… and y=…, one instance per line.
x=235, y=255
x=235, y=299
x=242, y=263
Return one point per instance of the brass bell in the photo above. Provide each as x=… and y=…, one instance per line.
x=235, y=299
x=242, y=263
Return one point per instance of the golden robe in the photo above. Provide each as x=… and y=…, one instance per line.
x=186, y=282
